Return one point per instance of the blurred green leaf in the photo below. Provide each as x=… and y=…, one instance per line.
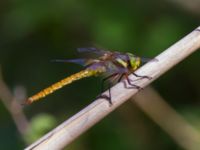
x=39, y=125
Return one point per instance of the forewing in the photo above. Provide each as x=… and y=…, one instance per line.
x=92, y=50
x=80, y=61
x=145, y=60
x=95, y=65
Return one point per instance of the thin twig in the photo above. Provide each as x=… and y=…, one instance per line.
x=86, y=118
x=168, y=119
x=13, y=107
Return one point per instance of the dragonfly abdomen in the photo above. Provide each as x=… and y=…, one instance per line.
x=82, y=74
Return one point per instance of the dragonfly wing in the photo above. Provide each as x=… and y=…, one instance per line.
x=145, y=60
x=95, y=66
x=91, y=50
x=109, y=67
x=88, y=49
x=79, y=61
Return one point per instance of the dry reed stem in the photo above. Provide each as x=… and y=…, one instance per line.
x=98, y=109
x=14, y=108
x=168, y=119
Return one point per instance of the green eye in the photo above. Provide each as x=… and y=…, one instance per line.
x=134, y=61
x=138, y=62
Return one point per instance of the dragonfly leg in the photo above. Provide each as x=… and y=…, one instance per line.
x=120, y=78
x=107, y=97
x=105, y=79
x=133, y=85
x=140, y=76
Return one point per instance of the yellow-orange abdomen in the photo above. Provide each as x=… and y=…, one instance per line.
x=63, y=82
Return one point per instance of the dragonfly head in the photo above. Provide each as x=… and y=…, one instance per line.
x=134, y=61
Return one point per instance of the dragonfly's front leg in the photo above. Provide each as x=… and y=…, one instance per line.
x=133, y=85
x=143, y=77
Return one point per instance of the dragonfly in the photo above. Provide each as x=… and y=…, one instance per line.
x=115, y=65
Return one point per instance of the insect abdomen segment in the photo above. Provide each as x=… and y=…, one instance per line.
x=63, y=82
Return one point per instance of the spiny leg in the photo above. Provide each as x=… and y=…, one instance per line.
x=143, y=77
x=109, y=88
x=105, y=79
x=120, y=78
x=133, y=85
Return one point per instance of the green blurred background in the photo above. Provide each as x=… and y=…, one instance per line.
x=34, y=32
